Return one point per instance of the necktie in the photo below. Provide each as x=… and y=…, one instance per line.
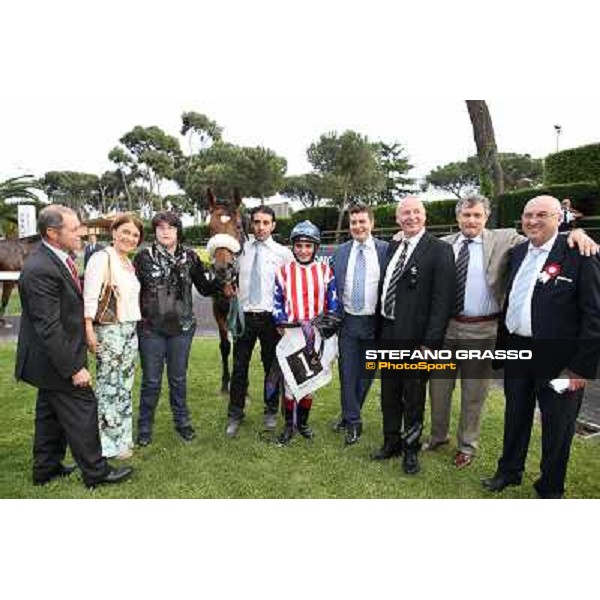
x=358, y=283
x=255, y=282
x=519, y=290
x=462, y=268
x=74, y=273
x=390, y=298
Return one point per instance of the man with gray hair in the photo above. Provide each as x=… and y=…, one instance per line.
x=481, y=257
x=52, y=356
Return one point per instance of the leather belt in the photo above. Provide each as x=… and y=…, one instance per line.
x=483, y=319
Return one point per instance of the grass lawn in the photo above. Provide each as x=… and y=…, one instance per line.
x=248, y=467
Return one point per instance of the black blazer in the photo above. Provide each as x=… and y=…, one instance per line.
x=426, y=292
x=51, y=346
x=565, y=311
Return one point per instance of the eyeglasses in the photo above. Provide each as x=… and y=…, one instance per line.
x=541, y=216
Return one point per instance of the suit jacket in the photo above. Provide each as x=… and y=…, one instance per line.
x=340, y=264
x=426, y=291
x=51, y=346
x=565, y=311
x=496, y=244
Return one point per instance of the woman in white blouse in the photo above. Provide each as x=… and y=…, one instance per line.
x=115, y=345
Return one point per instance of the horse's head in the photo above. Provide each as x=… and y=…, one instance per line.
x=227, y=235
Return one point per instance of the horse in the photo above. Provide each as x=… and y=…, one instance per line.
x=12, y=257
x=227, y=229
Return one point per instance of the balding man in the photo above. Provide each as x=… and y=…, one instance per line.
x=552, y=310
x=417, y=298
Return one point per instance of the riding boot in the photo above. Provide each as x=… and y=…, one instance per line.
x=304, y=429
x=287, y=434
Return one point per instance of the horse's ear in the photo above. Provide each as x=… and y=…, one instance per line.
x=212, y=199
x=237, y=197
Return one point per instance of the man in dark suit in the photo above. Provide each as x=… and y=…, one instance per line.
x=357, y=268
x=553, y=310
x=52, y=356
x=92, y=246
x=417, y=298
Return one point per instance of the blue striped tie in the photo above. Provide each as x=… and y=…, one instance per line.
x=358, y=284
x=519, y=290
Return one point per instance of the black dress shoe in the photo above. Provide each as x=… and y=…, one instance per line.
x=500, y=481
x=64, y=471
x=186, y=432
x=387, y=451
x=115, y=475
x=338, y=425
x=410, y=463
x=143, y=440
x=546, y=495
x=353, y=433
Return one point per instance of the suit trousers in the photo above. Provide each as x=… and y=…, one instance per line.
x=354, y=385
x=475, y=381
x=67, y=417
x=558, y=414
x=402, y=403
x=257, y=326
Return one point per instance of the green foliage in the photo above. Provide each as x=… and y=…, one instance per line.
x=324, y=217
x=206, y=130
x=79, y=191
x=349, y=166
x=213, y=466
x=460, y=178
x=302, y=188
x=585, y=198
x=262, y=171
x=394, y=164
x=456, y=177
x=196, y=235
x=574, y=165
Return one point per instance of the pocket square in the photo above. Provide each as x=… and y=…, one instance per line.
x=561, y=278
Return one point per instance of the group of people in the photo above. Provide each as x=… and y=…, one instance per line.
x=417, y=292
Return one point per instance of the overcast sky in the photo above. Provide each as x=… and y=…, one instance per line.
x=77, y=75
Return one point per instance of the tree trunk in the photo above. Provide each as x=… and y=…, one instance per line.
x=338, y=229
x=129, y=204
x=485, y=140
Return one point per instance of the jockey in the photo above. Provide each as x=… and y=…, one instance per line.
x=305, y=290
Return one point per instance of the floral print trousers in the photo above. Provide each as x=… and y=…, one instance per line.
x=115, y=369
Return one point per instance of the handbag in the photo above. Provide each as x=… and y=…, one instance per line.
x=107, y=305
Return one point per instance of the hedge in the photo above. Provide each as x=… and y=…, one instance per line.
x=573, y=165
x=585, y=197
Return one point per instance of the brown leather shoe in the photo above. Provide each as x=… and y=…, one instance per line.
x=462, y=460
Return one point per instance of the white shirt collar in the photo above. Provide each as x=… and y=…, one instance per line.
x=477, y=239
x=60, y=253
x=368, y=243
x=545, y=247
x=414, y=240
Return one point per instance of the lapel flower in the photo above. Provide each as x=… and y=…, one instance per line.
x=550, y=271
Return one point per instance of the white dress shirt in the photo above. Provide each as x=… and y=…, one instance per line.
x=412, y=243
x=371, y=278
x=524, y=326
x=271, y=257
x=479, y=299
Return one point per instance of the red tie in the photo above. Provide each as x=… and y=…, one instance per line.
x=73, y=270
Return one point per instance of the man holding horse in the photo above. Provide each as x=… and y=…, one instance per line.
x=260, y=259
